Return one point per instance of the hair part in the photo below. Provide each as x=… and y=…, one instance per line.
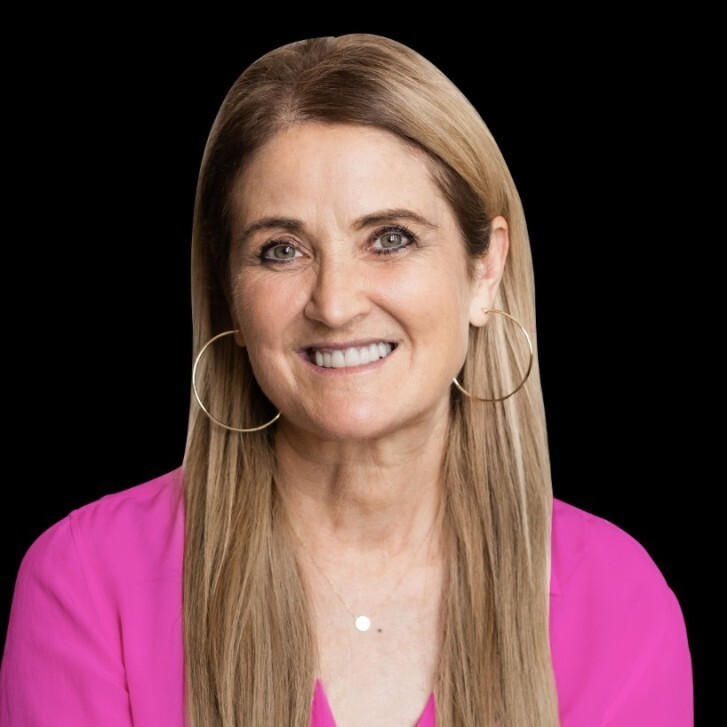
x=250, y=647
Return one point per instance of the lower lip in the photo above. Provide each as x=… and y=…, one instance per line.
x=348, y=370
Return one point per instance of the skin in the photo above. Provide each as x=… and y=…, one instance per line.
x=360, y=449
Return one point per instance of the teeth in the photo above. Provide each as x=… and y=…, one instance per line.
x=341, y=359
x=352, y=358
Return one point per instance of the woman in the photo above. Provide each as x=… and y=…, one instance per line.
x=363, y=524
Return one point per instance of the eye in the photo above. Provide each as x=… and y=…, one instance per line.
x=393, y=239
x=279, y=252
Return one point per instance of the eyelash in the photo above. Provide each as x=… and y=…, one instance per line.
x=379, y=233
x=402, y=231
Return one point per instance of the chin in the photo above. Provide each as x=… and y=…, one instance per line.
x=353, y=430
x=353, y=425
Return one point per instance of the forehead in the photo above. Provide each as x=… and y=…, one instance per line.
x=343, y=170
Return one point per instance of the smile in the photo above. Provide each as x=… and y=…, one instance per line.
x=341, y=358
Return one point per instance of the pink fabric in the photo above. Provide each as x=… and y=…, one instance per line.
x=95, y=632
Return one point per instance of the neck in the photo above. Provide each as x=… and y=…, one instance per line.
x=378, y=497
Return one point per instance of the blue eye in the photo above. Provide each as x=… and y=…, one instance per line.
x=392, y=239
x=279, y=252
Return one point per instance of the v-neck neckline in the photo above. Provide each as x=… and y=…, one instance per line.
x=322, y=716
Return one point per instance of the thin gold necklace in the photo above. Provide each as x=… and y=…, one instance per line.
x=361, y=622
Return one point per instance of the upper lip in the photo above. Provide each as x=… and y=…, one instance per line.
x=333, y=346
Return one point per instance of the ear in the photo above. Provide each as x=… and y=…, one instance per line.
x=488, y=271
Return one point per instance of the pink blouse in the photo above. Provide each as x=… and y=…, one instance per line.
x=95, y=631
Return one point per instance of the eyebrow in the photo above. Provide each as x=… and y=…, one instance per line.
x=375, y=218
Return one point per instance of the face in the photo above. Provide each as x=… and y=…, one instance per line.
x=350, y=282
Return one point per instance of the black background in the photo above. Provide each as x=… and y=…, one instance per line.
x=599, y=136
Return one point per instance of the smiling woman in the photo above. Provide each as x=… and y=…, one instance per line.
x=321, y=214
x=363, y=523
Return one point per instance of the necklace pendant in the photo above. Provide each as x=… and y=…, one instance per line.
x=363, y=623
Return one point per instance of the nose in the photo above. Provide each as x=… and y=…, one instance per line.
x=338, y=294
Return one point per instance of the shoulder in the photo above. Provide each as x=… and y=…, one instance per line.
x=588, y=549
x=605, y=572
x=116, y=536
x=145, y=513
x=92, y=592
x=617, y=630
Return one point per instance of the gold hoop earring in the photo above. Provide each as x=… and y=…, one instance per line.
x=527, y=373
x=204, y=408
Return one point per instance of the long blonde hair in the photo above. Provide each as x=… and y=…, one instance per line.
x=249, y=643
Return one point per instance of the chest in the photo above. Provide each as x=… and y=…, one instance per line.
x=383, y=676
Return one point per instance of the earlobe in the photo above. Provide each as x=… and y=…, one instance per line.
x=489, y=270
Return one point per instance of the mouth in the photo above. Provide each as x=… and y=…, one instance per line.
x=336, y=357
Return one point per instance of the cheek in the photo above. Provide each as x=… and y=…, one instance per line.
x=432, y=306
x=264, y=307
x=434, y=296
